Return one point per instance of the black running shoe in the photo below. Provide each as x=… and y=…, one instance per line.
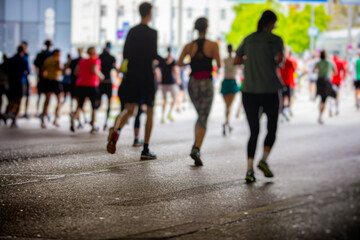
x=195, y=155
x=250, y=176
x=147, y=156
x=263, y=166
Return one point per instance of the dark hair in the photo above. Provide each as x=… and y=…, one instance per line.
x=323, y=54
x=48, y=43
x=145, y=9
x=169, y=49
x=24, y=43
x=56, y=51
x=68, y=55
x=229, y=48
x=266, y=18
x=20, y=49
x=108, y=45
x=201, y=24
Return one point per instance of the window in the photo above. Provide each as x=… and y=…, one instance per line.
x=206, y=12
x=188, y=36
x=120, y=11
x=189, y=12
x=223, y=14
x=103, y=11
x=172, y=12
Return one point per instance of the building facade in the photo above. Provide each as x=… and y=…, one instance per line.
x=96, y=21
x=34, y=21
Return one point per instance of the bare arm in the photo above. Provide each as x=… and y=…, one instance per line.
x=95, y=69
x=216, y=55
x=238, y=60
x=183, y=55
x=279, y=57
x=176, y=71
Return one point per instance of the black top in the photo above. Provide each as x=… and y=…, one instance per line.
x=200, y=62
x=16, y=67
x=40, y=59
x=141, y=49
x=166, y=71
x=107, y=64
x=72, y=66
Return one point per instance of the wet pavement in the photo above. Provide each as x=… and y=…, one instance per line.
x=60, y=185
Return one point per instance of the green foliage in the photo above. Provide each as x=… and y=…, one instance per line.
x=292, y=28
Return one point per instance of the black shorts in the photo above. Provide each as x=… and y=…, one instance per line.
x=288, y=91
x=106, y=88
x=130, y=92
x=15, y=91
x=66, y=87
x=40, y=87
x=324, y=89
x=92, y=93
x=26, y=88
x=52, y=86
x=357, y=84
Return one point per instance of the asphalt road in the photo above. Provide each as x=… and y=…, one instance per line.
x=60, y=185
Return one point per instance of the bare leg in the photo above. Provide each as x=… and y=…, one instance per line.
x=123, y=117
x=199, y=135
x=58, y=106
x=45, y=110
x=149, y=123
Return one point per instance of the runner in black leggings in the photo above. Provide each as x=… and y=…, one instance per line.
x=261, y=52
x=201, y=89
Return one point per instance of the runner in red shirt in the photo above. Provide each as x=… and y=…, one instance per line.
x=337, y=79
x=287, y=75
x=89, y=77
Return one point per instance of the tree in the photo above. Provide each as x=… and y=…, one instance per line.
x=292, y=28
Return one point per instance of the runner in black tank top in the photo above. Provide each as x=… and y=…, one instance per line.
x=201, y=89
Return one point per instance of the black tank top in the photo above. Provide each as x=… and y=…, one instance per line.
x=200, y=62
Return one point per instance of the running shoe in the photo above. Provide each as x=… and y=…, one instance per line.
x=105, y=127
x=112, y=139
x=230, y=129
x=138, y=143
x=170, y=117
x=263, y=166
x=250, y=176
x=147, y=155
x=195, y=155
x=56, y=123
x=94, y=130
x=224, y=129
x=162, y=120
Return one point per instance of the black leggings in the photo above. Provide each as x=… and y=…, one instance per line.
x=255, y=104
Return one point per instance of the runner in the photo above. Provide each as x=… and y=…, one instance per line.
x=323, y=86
x=51, y=72
x=25, y=80
x=140, y=50
x=66, y=79
x=169, y=81
x=312, y=76
x=39, y=62
x=73, y=78
x=287, y=76
x=89, y=72
x=336, y=81
x=4, y=86
x=107, y=64
x=261, y=52
x=229, y=87
x=16, y=67
x=201, y=89
x=356, y=78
